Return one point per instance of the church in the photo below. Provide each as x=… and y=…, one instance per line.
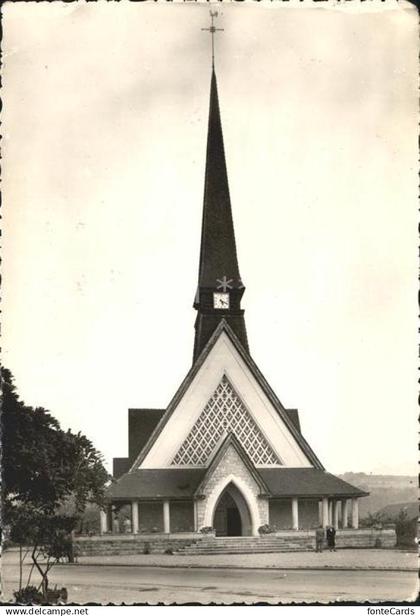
x=225, y=458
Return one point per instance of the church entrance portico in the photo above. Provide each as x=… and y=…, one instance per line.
x=231, y=515
x=231, y=507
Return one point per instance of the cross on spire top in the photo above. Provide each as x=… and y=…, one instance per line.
x=212, y=29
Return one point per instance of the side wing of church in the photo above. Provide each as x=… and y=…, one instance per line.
x=226, y=454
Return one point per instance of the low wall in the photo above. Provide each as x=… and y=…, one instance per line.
x=350, y=538
x=111, y=545
x=366, y=538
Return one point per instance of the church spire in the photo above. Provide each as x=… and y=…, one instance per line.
x=219, y=283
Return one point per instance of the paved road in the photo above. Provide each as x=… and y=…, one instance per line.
x=141, y=584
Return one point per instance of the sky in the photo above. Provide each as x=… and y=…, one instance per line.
x=104, y=136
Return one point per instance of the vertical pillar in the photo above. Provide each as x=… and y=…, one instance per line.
x=104, y=521
x=355, y=513
x=134, y=517
x=320, y=512
x=325, y=512
x=344, y=513
x=115, y=523
x=195, y=515
x=110, y=518
x=295, y=513
x=166, y=517
x=330, y=512
x=335, y=513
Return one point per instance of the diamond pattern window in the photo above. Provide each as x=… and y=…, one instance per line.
x=224, y=413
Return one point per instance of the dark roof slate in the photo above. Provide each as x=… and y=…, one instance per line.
x=141, y=423
x=120, y=466
x=156, y=483
x=148, y=484
x=306, y=482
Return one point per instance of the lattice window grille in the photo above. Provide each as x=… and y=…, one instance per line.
x=224, y=413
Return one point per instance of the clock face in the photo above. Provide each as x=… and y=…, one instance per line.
x=221, y=301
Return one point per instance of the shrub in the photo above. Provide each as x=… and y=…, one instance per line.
x=89, y=521
x=406, y=530
x=29, y=595
x=61, y=546
x=206, y=530
x=146, y=548
x=57, y=596
x=168, y=551
x=373, y=520
x=266, y=529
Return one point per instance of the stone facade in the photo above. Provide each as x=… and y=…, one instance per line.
x=109, y=545
x=231, y=469
x=366, y=538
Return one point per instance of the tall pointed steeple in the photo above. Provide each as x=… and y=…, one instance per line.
x=218, y=247
x=219, y=283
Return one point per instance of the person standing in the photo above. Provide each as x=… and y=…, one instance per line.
x=331, y=538
x=127, y=525
x=319, y=539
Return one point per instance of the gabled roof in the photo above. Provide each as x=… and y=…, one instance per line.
x=187, y=483
x=224, y=327
x=307, y=482
x=232, y=441
x=149, y=484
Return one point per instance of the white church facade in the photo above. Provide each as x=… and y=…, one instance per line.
x=226, y=455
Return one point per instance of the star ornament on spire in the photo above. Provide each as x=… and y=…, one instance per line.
x=224, y=283
x=212, y=29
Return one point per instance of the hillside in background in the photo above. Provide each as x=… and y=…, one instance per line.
x=384, y=490
x=392, y=511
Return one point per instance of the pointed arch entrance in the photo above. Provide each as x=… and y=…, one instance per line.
x=231, y=517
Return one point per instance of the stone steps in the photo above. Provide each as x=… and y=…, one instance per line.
x=205, y=545
x=247, y=545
